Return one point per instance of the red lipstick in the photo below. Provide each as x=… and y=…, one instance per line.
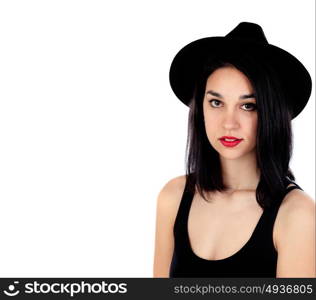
x=230, y=141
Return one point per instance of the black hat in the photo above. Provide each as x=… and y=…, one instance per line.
x=246, y=37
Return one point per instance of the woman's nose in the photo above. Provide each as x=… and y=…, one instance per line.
x=230, y=120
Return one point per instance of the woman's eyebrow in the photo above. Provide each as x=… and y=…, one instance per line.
x=220, y=96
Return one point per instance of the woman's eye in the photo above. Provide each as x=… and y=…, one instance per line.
x=250, y=106
x=246, y=106
x=215, y=103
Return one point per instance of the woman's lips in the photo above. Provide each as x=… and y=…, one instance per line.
x=230, y=143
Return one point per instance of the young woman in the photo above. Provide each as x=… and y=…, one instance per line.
x=238, y=211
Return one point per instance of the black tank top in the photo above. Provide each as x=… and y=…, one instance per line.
x=257, y=258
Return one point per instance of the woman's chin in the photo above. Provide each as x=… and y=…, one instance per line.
x=233, y=154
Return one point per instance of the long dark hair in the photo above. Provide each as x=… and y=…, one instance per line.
x=274, y=132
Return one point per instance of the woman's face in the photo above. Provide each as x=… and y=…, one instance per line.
x=229, y=109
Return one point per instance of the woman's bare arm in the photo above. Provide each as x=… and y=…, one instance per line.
x=167, y=206
x=296, y=237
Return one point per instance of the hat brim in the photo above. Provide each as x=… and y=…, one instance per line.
x=189, y=61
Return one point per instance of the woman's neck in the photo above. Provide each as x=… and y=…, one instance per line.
x=241, y=173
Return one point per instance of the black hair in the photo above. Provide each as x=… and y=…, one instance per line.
x=274, y=132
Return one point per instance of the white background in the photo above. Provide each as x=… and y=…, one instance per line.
x=90, y=130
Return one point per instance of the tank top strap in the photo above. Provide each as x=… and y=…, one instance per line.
x=290, y=188
x=184, y=208
x=270, y=214
x=293, y=186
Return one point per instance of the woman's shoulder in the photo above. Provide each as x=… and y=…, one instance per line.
x=170, y=195
x=296, y=215
x=296, y=235
x=297, y=203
